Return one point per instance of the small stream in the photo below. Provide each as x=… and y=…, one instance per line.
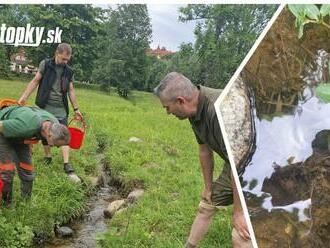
x=92, y=222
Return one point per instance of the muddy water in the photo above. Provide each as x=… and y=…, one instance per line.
x=93, y=222
x=287, y=182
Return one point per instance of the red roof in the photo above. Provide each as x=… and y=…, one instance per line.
x=159, y=52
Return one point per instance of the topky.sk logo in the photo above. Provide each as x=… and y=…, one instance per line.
x=28, y=36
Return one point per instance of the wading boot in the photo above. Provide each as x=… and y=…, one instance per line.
x=7, y=193
x=26, y=189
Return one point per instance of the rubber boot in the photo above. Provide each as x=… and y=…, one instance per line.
x=68, y=168
x=26, y=189
x=7, y=193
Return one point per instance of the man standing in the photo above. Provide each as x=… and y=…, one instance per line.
x=54, y=80
x=184, y=100
x=17, y=124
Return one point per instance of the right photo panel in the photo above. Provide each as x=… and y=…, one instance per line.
x=276, y=116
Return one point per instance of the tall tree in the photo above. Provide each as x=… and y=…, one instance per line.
x=224, y=35
x=9, y=16
x=157, y=69
x=185, y=61
x=129, y=34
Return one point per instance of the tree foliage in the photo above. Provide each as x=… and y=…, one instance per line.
x=224, y=34
x=128, y=37
x=8, y=14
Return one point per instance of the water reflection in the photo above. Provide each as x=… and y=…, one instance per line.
x=287, y=182
x=286, y=140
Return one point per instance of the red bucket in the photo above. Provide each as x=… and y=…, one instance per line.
x=77, y=135
x=1, y=187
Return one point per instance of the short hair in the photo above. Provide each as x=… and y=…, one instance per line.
x=60, y=132
x=174, y=85
x=64, y=48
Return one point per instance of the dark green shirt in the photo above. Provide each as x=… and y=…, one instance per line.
x=24, y=122
x=205, y=123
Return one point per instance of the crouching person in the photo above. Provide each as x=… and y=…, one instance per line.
x=18, y=124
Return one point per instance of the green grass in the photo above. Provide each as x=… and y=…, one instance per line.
x=165, y=163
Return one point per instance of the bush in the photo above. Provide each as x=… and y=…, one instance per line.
x=14, y=236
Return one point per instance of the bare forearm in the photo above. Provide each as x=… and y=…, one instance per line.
x=72, y=97
x=29, y=89
x=237, y=202
x=207, y=165
x=73, y=100
x=74, y=104
x=207, y=171
x=239, y=221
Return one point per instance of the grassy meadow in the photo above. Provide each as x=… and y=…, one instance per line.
x=165, y=164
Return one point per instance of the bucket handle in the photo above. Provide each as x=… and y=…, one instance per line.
x=83, y=123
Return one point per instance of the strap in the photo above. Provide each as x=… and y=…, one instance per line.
x=208, y=206
x=25, y=166
x=7, y=167
x=31, y=141
x=82, y=122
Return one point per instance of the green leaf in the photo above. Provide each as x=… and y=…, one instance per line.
x=312, y=11
x=325, y=10
x=297, y=9
x=323, y=92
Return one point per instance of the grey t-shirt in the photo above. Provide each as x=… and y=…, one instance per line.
x=55, y=103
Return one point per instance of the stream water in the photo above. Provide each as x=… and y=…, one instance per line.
x=93, y=222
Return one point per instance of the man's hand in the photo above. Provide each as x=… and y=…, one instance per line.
x=22, y=101
x=206, y=195
x=78, y=116
x=240, y=225
x=238, y=217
